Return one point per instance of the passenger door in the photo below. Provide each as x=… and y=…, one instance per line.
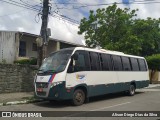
x=76, y=73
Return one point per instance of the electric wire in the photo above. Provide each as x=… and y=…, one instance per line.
x=19, y=5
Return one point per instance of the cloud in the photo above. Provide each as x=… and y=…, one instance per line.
x=64, y=31
x=21, y=29
x=3, y=27
x=15, y=18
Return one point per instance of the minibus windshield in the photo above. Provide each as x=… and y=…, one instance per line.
x=56, y=62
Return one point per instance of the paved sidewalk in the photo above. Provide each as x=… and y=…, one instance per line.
x=28, y=97
x=19, y=96
x=153, y=85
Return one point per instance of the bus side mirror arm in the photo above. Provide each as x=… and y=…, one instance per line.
x=74, y=56
x=71, y=66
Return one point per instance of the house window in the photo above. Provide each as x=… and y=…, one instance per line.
x=34, y=47
x=22, y=49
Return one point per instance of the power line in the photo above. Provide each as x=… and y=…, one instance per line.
x=25, y=3
x=14, y=12
x=37, y=10
x=78, y=3
x=29, y=7
x=20, y=5
x=63, y=16
x=104, y=4
x=65, y=20
x=11, y=13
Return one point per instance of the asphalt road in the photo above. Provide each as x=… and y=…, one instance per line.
x=144, y=100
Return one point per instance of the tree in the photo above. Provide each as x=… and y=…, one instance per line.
x=117, y=29
x=153, y=64
x=148, y=31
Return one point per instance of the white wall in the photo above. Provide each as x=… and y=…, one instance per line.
x=52, y=46
x=8, y=46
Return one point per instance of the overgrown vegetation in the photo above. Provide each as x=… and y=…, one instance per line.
x=31, y=61
x=3, y=61
x=153, y=64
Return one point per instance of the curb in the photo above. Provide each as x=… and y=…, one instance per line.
x=152, y=86
x=1, y=104
x=20, y=102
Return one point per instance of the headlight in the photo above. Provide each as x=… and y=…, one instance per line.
x=56, y=83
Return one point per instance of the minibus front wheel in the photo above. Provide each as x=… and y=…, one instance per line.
x=78, y=97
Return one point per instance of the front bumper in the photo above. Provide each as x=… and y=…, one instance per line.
x=58, y=92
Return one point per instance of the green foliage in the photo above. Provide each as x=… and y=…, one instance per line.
x=22, y=61
x=32, y=61
x=117, y=29
x=153, y=62
x=148, y=31
x=4, y=61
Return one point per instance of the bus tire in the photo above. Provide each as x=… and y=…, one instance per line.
x=131, y=91
x=78, y=97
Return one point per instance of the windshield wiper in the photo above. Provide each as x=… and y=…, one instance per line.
x=50, y=71
x=47, y=71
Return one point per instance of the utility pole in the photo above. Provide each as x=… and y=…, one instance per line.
x=42, y=51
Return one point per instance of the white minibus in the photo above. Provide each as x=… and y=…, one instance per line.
x=79, y=73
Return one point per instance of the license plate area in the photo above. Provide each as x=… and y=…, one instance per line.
x=39, y=89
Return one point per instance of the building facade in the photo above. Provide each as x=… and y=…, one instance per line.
x=14, y=45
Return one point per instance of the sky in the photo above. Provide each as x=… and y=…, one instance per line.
x=16, y=18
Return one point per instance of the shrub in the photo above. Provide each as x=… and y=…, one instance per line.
x=31, y=61
x=153, y=64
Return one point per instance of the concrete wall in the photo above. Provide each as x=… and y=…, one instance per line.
x=8, y=46
x=52, y=46
x=16, y=78
x=155, y=77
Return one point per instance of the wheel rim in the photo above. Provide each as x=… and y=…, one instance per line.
x=79, y=97
x=132, y=90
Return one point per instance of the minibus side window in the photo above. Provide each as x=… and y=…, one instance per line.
x=106, y=62
x=134, y=64
x=142, y=65
x=81, y=64
x=126, y=64
x=94, y=61
x=117, y=63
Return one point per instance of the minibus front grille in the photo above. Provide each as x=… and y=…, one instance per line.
x=41, y=85
x=41, y=93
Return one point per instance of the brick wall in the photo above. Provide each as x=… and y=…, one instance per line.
x=16, y=78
